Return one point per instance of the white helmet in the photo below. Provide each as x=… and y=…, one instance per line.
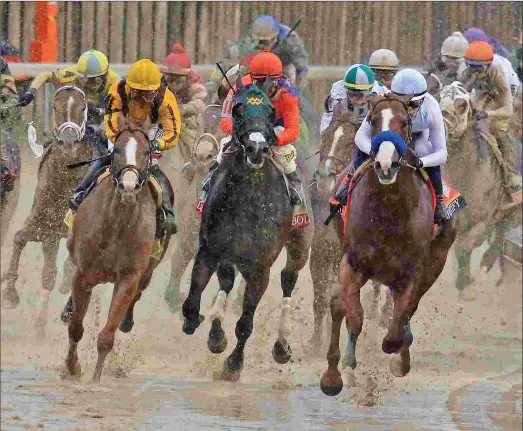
x=410, y=81
x=384, y=59
x=454, y=46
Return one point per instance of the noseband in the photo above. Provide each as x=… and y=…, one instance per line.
x=142, y=176
x=79, y=129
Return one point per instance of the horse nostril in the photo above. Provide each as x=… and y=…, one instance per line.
x=265, y=150
x=137, y=186
x=250, y=149
x=395, y=165
x=120, y=186
x=377, y=165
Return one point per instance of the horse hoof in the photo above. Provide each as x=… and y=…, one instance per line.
x=217, y=341
x=10, y=300
x=463, y=281
x=189, y=326
x=400, y=367
x=127, y=323
x=469, y=294
x=174, y=300
x=281, y=353
x=392, y=345
x=73, y=369
x=349, y=361
x=331, y=384
x=231, y=371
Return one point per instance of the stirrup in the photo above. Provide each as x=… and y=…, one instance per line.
x=74, y=202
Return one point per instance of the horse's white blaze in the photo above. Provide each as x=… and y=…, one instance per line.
x=386, y=116
x=338, y=133
x=285, y=329
x=256, y=137
x=384, y=156
x=218, y=309
x=70, y=103
x=130, y=151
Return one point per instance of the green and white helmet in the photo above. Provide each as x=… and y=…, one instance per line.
x=359, y=78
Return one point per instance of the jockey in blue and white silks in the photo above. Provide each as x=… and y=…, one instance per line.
x=428, y=132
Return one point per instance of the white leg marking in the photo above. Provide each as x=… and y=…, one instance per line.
x=285, y=329
x=338, y=133
x=218, y=309
x=386, y=115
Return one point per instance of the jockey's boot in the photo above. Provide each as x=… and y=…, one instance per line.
x=440, y=214
x=295, y=188
x=342, y=194
x=78, y=194
x=206, y=186
x=165, y=215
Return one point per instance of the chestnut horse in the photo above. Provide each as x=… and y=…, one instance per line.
x=111, y=240
x=389, y=238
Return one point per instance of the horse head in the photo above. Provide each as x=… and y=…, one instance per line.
x=253, y=119
x=456, y=109
x=336, y=148
x=131, y=160
x=69, y=113
x=391, y=131
x=206, y=147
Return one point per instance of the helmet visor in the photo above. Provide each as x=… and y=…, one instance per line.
x=91, y=84
x=143, y=96
x=383, y=74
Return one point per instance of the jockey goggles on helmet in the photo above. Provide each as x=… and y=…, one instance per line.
x=357, y=94
x=173, y=78
x=91, y=83
x=146, y=96
x=380, y=74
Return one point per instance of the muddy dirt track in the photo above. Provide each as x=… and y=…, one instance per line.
x=466, y=362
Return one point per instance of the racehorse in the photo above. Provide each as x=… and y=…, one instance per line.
x=55, y=182
x=247, y=220
x=9, y=198
x=111, y=240
x=473, y=167
x=389, y=237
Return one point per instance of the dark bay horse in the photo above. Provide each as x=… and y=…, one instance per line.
x=472, y=167
x=55, y=182
x=389, y=238
x=111, y=240
x=246, y=222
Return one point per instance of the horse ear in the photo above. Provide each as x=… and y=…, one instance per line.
x=374, y=99
x=336, y=111
x=461, y=106
x=239, y=82
x=405, y=98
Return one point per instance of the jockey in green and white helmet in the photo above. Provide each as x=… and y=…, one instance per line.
x=351, y=93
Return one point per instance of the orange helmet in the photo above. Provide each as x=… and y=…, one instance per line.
x=266, y=63
x=479, y=53
x=177, y=62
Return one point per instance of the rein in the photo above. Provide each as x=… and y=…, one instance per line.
x=79, y=129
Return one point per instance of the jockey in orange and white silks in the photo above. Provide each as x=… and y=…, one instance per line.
x=350, y=94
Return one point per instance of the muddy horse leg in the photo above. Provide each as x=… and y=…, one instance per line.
x=81, y=296
x=50, y=249
x=203, y=269
x=386, y=310
x=65, y=285
x=217, y=341
x=256, y=286
x=345, y=303
x=125, y=291
x=10, y=298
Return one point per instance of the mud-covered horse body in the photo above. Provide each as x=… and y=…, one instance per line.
x=246, y=221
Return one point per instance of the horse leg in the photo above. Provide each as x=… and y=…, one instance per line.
x=237, y=305
x=65, y=285
x=50, y=249
x=10, y=298
x=203, y=269
x=127, y=322
x=217, y=341
x=376, y=287
x=320, y=283
x=254, y=291
x=182, y=254
x=80, y=296
x=386, y=310
x=125, y=291
x=464, y=277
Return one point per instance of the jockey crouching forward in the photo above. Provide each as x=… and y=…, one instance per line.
x=267, y=65
x=140, y=97
x=491, y=100
x=187, y=86
x=428, y=134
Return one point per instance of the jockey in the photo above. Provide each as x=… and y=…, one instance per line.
x=385, y=64
x=287, y=124
x=187, y=85
x=266, y=34
x=491, y=99
x=475, y=34
x=93, y=76
x=445, y=71
x=428, y=135
x=351, y=94
x=9, y=99
x=141, y=96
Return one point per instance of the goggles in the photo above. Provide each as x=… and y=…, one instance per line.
x=145, y=95
x=92, y=82
x=383, y=74
x=259, y=82
x=172, y=78
x=357, y=94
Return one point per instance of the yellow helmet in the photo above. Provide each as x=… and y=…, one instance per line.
x=66, y=75
x=144, y=75
x=92, y=63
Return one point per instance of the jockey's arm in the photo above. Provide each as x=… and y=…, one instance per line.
x=503, y=95
x=226, y=116
x=326, y=117
x=197, y=103
x=8, y=91
x=364, y=136
x=40, y=80
x=290, y=111
x=113, y=106
x=436, y=140
x=169, y=118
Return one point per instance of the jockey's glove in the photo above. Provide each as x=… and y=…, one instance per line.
x=417, y=162
x=158, y=144
x=94, y=110
x=27, y=97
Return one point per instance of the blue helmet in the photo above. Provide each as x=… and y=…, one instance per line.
x=409, y=81
x=265, y=27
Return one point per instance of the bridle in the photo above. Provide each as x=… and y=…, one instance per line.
x=79, y=129
x=142, y=176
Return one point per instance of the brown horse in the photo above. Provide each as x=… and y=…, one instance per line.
x=111, y=240
x=204, y=152
x=472, y=167
x=55, y=182
x=389, y=238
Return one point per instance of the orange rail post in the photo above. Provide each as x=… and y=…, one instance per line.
x=44, y=47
